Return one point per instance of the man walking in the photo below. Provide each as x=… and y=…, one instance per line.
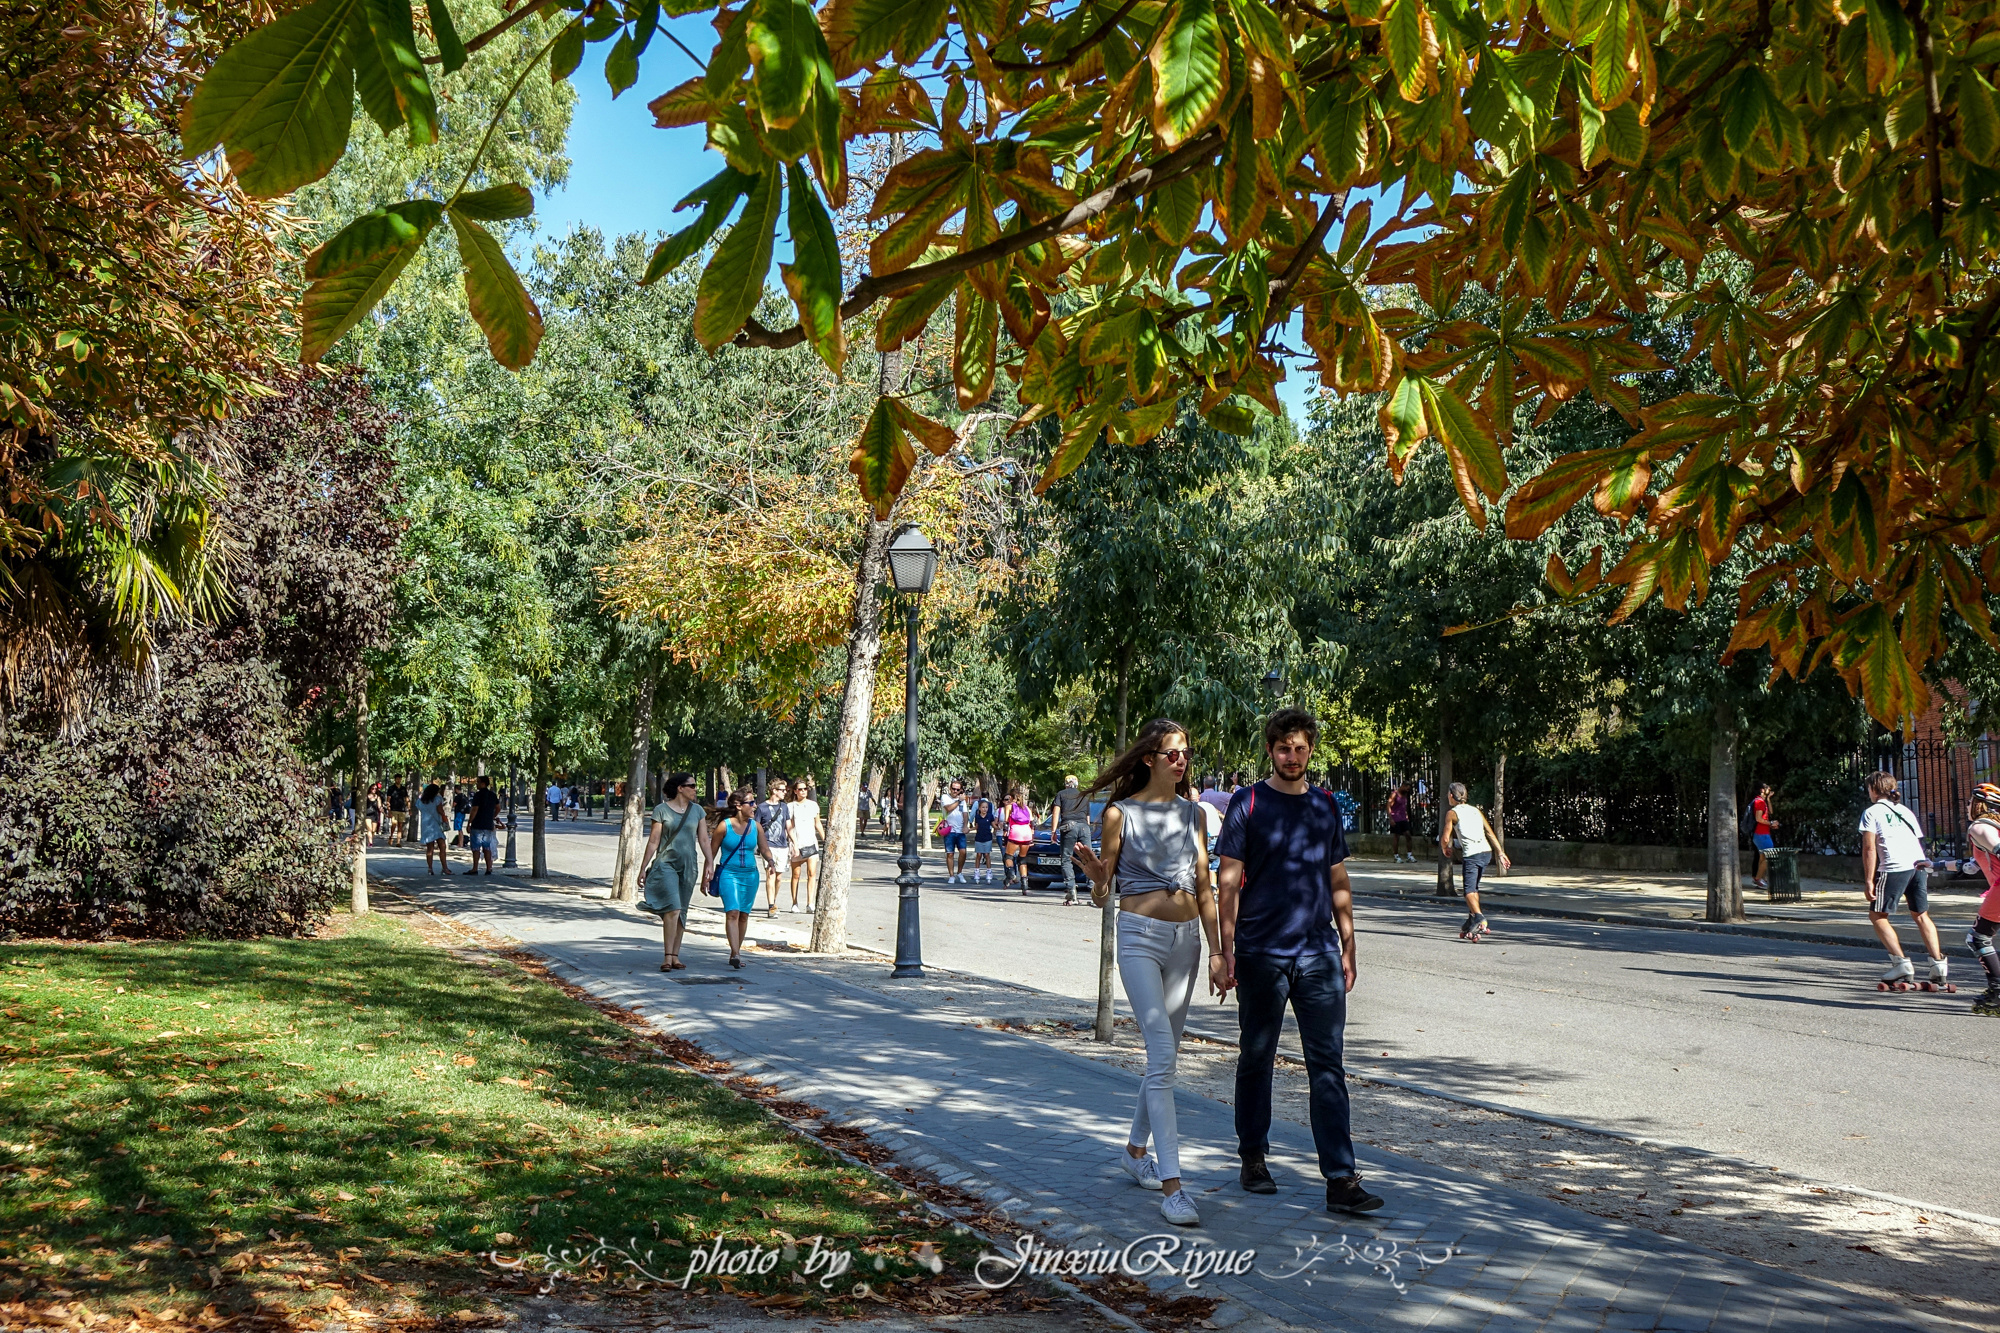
x=1069, y=821
x=1287, y=925
x=1761, y=824
x=484, y=823
x=956, y=809
x=774, y=819
x=1893, y=865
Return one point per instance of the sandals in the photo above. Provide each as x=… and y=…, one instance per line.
x=673, y=964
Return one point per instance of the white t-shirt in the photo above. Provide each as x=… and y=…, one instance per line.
x=955, y=809
x=1897, y=844
x=1471, y=830
x=805, y=820
x=1211, y=819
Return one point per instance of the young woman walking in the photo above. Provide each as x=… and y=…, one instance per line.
x=1477, y=845
x=983, y=816
x=430, y=826
x=1020, y=834
x=677, y=852
x=1155, y=859
x=737, y=848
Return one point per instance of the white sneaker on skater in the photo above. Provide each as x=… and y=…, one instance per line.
x=1142, y=1170
x=1178, y=1209
x=1900, y=969
x=1940, y=969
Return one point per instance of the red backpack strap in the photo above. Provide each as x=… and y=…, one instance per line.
x=1251, y=808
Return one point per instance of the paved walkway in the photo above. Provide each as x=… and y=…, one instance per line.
x=1037, y=1133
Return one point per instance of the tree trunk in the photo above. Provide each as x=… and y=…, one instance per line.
x=857, y=709
x=360, y=870
x=1500, y=794
x=539, y=854
x=1107, y=925
x=927, y=795
x=631, y=830
x=1444, y=884
x=1124, y=694
x=1725, y=880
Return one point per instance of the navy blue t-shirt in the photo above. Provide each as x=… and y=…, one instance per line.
x=1288, y=846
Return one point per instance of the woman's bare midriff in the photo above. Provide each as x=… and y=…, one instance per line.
x=1161, y=905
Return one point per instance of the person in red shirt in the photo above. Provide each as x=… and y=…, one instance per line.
x=1760, y=833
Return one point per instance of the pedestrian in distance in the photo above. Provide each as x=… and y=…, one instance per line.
x=1155, y=861
x=952, y=815
x=1982, y=834
x=1761, y=824
x=399, y=806
x=375, y=812
x=431, y=829
x=738, y=845
x=1020, y=835
x=675, y=859
x=984, y=816
x=1069, y=822
x=1893, y=866
x=1213, y=796
x=1468, y=835
x=1402, y=845
x=554, y=797
x=774, y=818
x=1286, y=912
x=808, y=832
x=461, y=805
x=483, y=822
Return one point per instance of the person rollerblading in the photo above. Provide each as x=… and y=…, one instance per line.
x=1468, y=836
x=1475, y=928
x=1939, y=980
x=1982, y=834
x=1894, y=866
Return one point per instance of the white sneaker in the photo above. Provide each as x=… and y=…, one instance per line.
x=1144, y=1173
x=1178, y=1209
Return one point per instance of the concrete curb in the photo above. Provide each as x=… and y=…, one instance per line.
x=1494, y=904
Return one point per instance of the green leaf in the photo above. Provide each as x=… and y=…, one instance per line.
x=1234, y=415
x=733, y=282
x=813, y=276
x=1906, y=120
x=786, y=48
x=496, y=203
x=500, y=304
x=861, y=30
x=1889, y=29
x=1402, y=421
x=882, y=458
x=974, y=341
x=1978, y=117
x=1611, y=73
x=1341, y=127
x=1412, y=46
x=1468, y=442
x=645, y=25
x=718, y=195
x=356, y=267
x=908, y=314
x=1175, y=210
x=282, y=100
x=451, y=51
x=621, y=65
x=1747, y=111
x=1589, y=128
x=1625, y=136
x=388, y=71
x=1190, y=72
x=567, y=52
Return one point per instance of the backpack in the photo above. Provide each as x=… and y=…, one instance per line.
x=1747, y=823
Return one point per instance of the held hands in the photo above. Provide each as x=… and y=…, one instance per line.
x=1221, y=975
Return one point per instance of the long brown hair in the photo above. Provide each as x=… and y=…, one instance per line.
x=729, y=807
x=1128, y=774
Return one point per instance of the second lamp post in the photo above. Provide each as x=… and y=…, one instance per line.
x=912, y=566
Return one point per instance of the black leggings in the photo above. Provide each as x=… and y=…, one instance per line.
x=1980, y=940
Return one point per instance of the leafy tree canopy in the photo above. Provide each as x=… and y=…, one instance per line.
x=1140, y=193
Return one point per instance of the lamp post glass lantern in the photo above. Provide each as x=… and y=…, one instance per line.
x=1274, y=682
x=912, y=566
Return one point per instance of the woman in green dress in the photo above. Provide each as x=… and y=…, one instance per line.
x=677, y=853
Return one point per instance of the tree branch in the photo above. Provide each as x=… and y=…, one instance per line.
x=1934, y=115
x=1068, y=57
x=1335, y=206
x=513, y=20
x=1193, y=154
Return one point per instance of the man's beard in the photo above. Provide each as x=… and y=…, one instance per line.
x=1289, y=772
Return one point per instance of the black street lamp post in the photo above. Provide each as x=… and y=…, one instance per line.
x=912, y=566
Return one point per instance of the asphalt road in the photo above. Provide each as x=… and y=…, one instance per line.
x=1781, y=1053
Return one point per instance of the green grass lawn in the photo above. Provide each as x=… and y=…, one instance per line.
x=365, y=1115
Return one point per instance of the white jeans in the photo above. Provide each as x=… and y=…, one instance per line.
x=1158, y=961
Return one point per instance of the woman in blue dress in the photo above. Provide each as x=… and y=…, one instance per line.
x=738, y=844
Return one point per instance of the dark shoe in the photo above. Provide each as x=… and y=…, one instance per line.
x=1255, y=1178
x=1344, y=1194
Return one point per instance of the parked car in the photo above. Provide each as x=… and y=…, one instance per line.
x=1045, y=869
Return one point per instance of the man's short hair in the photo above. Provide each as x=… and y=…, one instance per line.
x=1069, y=779
x=1881, y=784
x=1287, y=721
x=484, y=782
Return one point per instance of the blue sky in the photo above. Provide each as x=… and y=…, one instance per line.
x=626, y=175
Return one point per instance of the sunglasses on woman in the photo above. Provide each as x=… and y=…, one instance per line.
x=1173, y=756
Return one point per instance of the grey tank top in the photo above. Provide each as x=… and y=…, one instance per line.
x=1158, y=843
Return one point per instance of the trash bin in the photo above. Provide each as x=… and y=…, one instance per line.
x=1785, y=875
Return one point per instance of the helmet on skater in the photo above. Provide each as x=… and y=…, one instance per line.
x=1989, y=794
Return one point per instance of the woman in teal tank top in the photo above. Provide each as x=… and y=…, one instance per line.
x=738, y=844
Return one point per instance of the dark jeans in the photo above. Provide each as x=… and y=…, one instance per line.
x=1317, y=990
x=1069, y=837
